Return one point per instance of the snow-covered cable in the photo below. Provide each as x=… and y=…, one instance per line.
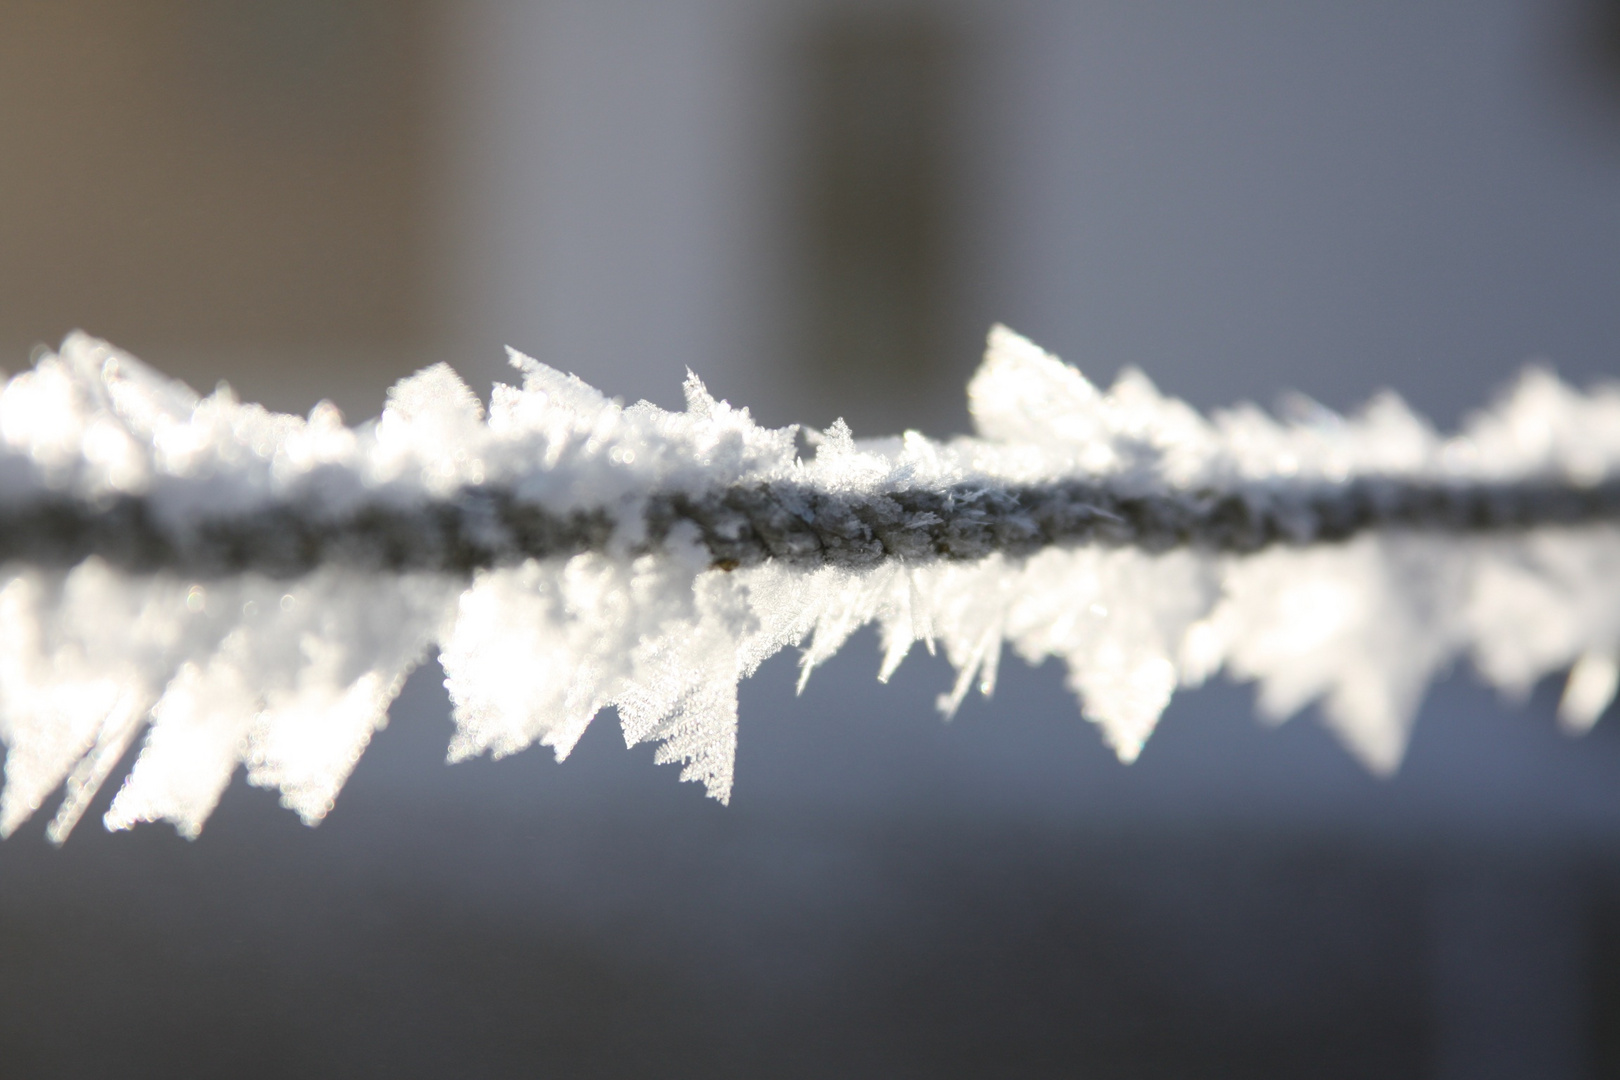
x=250, y=588
x=1155, y=479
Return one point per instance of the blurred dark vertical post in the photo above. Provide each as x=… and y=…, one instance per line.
x=1597, y=43
x=876, y=213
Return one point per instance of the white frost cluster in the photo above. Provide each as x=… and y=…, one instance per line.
x=289, y=679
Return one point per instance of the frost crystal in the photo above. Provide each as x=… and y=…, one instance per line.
x=241, y=588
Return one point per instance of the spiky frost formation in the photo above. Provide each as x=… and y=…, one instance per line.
x=250, y=589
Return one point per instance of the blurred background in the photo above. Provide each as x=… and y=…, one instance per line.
x=820, y=206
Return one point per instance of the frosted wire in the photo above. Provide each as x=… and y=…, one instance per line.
x=290, y=677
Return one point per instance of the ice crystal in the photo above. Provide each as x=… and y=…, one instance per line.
x=287, y=673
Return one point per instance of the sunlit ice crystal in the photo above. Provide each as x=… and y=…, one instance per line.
x=637, y=598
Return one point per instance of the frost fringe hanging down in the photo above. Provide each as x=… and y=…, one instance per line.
x=250, y=589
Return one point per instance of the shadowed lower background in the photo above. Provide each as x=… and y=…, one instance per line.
x=819, y=207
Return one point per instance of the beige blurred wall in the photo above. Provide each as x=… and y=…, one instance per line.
x=229, y=189
x=311, y=199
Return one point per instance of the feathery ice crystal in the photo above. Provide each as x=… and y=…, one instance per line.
x=289, y=672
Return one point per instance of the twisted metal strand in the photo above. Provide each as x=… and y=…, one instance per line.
x=487, y=526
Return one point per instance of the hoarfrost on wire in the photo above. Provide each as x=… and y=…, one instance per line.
x=289, y=679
